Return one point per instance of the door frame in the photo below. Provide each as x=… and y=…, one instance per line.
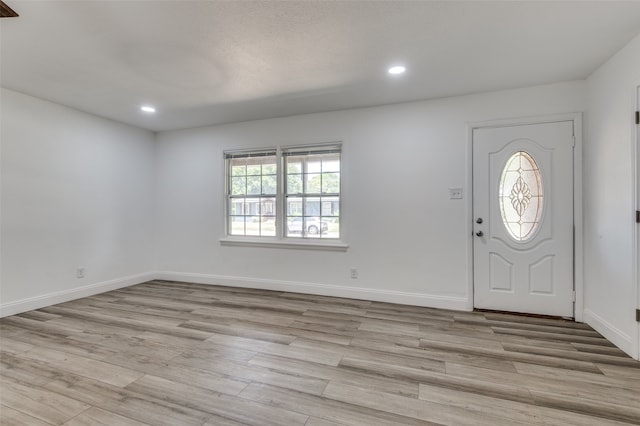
x=578, y=266
x=636, y=193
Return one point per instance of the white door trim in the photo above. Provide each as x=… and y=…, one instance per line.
x=636, y=193
x=578, y=267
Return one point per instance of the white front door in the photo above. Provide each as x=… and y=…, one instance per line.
x=523, y=218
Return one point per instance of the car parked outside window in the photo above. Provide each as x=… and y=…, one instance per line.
x=311, y=225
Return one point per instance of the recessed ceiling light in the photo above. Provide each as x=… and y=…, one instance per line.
x=147, y=108
x=398, y=69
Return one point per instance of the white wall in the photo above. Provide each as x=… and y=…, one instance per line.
x=609, y=229
x=77, y=190
x=410, y=242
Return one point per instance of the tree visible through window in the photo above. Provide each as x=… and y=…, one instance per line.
x=313, y=193
x=309, y=178
x=253, y=183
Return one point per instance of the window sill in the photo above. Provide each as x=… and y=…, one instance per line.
x=285, y=244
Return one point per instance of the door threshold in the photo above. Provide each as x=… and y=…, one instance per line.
x=525, y=314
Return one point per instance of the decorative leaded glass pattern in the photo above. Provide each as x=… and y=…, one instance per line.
x=521, y=196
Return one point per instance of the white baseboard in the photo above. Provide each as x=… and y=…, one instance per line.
x=611, y=332
x=24, y=305
x=389, y=296
x=608, y=330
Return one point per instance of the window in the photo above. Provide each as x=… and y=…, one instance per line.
x=312, y=192
x=291, y=192
x=252, y=184
x=521, y=196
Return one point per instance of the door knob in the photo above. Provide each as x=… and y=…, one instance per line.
x=479, y=233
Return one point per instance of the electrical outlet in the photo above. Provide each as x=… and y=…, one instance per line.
x=354, y=273
x=455, y=193
x=80, y=272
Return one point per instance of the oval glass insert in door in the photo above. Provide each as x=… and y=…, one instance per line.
x=521, y=196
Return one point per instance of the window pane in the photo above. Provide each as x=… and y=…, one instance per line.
x=331, y=183
x=254, y=185
x=237, y=206
x=294, y=206
x=238, y=170
x=312, y=206
x=238, y=185
x=333, y=227
x=254, y=170
x=268, y=227
x=330, y=206
x=269, y=184
x=269, y=168
x=268, y=207
x=236, y=225
x=294, y=226
x=294, y=184
x=521, y=196
x=314, y=164
x=313, y=227
x=313, y=181
x=331, y=163
x=253, y=225
x=294, y=164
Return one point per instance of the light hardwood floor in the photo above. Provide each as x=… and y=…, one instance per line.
x=167, y=353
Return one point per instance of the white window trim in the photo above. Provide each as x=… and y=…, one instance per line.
x=285, y=243
x=281, y=240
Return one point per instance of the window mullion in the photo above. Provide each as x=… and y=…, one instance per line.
x=303, y=231
x=228, y=208
x=244, y=206
x=281, y=202
x=260, y=206
x=320, y=218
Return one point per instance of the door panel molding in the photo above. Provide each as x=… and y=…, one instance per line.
x=543, y=265
x=578, y=255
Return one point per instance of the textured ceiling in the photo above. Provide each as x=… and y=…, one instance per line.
x=210, y=62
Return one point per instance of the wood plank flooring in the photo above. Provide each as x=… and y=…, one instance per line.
x=169, y=353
